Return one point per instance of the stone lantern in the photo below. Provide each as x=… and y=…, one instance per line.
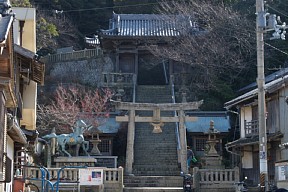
x=212, y=158
x=95, y=142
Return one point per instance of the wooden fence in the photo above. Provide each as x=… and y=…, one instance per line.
x=75, y=55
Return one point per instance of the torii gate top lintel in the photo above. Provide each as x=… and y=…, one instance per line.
x=162, y=106
x=156, y=108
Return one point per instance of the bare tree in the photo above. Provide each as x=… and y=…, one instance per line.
x=215, y=40
x=73, y=103
x=55, y=29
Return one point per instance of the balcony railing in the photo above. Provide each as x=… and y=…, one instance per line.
x=251, y=128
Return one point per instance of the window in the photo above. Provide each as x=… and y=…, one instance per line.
x=104, y=146
x=200, y=144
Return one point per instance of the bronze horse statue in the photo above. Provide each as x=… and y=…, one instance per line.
x=74, y=138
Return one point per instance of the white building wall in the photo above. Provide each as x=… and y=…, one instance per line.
x=247, y=158
x=29, y=105
x=29, y=31
x=10, y=154
x=283, y=106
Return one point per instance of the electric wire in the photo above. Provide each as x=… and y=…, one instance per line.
x=147, y=4
x=280, y=12
x=276, y=48
x=103, y=8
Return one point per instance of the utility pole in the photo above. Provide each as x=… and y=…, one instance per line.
x=260, y=27
x=279, y=33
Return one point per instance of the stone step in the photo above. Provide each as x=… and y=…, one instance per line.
x=157, y=161
x=161, y=152
x=153, y=94
x=153, y=181
x=156, y=173
x=155, y=154
x=153, y=189
x=156, y=144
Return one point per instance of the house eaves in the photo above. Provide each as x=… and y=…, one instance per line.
x=30, y=67
x=253, y=140
x=15, y=132
x=269, y=88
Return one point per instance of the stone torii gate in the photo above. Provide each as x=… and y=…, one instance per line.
x=157, y=121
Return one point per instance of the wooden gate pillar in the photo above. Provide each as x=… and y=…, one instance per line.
x=130, y=143
x=183, y=143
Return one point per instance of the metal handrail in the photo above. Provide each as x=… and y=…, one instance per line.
x=175, y=112
x=134, y=87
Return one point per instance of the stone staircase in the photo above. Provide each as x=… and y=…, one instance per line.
x=155, y=164
x=153, y=183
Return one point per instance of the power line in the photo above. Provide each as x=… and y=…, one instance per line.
x=276, y=48
x=280, y=12
x=112, y=7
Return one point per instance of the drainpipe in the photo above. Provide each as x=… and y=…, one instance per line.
x=21, y=26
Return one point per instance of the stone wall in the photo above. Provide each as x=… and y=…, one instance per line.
x=83, y=71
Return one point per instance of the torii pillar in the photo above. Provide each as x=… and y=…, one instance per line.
x=130, y=142
x=183, y=142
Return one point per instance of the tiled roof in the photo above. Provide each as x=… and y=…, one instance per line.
x=92, y=40
x=110, y=126
x=282, y=72
x=202, y=124
x=269, y=87
x=148, y=25
x=5, y=24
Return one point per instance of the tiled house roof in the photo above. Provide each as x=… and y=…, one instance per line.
x=269, y=88
x=148, y=25
x=282, y=72
x=5, y=24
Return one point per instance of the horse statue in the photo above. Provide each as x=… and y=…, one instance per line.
x=74, y=138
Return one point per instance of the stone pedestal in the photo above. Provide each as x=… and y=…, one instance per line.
x=214, y=162
x=75, y=161
x=92, y=161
